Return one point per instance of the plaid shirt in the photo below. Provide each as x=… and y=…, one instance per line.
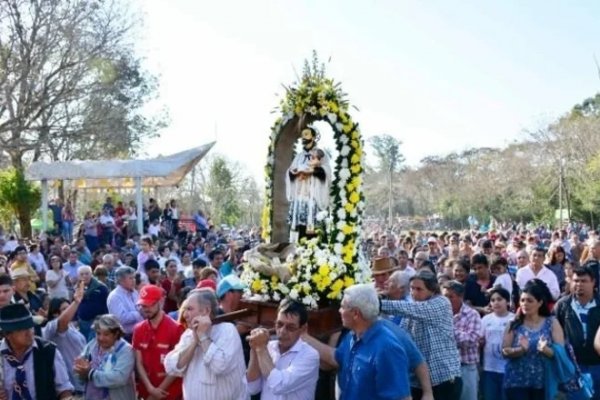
x=430, y=325
x=468, y=333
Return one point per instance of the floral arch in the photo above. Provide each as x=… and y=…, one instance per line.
x=324, y=266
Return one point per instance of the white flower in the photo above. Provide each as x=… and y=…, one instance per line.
x=337, y=248
x=339, y=127
x=345, y=150
x=332, y=118
x=282, y=288
x=341, y=214
x=294, y=294
x=340, y=237
x=344, y=163
x=276, y=297
x=321, y=215
x=340, y=225
x=344, y=173
x=344, y=139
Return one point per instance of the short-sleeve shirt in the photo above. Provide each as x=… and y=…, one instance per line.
x=374, y=366
x=155, y=344
x=475, y=294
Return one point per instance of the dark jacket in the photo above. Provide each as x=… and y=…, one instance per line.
x=568, y=319
x=43, y=369
x=94, y=301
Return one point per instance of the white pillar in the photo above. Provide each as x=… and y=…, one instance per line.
x=44, y=205
x=140, y=204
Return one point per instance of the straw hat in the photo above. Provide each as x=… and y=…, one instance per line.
x=382, y=265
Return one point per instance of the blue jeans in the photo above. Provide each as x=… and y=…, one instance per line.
x=68, y=231
x=593, y=370
x=470, y=381
x=92, y=242
x=492, y=385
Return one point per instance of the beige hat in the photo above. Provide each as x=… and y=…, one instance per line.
x=382, y=265
x=19, y=273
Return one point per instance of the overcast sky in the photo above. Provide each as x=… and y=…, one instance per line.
x=440, y=76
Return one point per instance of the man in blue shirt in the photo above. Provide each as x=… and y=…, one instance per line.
x=371, y=360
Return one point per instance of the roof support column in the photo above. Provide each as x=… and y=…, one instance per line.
x=44, y=205
x=139, y=205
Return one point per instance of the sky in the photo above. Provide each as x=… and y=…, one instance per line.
x=440, y=76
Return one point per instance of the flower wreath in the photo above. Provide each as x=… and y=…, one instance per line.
x=321, y=268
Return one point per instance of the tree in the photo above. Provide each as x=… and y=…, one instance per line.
x=20, y=196
x=69, y=86
x=222, y=192
x=387, y=149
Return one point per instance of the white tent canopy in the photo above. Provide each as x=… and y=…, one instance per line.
x=161, y=171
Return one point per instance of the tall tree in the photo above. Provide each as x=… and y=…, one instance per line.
x=222, y=192
x=387, y=150
x=68, y=86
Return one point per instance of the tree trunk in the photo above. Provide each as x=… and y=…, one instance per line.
x=24, y=218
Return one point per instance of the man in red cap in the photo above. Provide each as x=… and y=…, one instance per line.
x=153, y=338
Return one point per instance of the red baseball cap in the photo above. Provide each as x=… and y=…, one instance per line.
x=150, y=294
x=207, y=283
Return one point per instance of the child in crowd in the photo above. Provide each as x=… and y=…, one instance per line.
x=493, y=326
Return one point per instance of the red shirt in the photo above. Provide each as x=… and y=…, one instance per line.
x=154, y=344
x=170, y=304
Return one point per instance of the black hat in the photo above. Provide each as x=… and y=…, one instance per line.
x=15, y=317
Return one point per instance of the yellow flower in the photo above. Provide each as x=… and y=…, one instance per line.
x=333, y=107
x=324, y=270
x=354, y=144
x=274, y=279
x=347, y=229
x=348, y=258
x=356, y=181
x=354, y=197
x=316, y=278
x=257, y=285
x=349, y=207
x=350, y=187
x=355, y=159
x=347, y=128
x=355, y=169
x=337, y=285
x=348, y=281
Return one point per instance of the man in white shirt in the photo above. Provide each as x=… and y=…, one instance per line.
x=536, y=269
x=286, y=368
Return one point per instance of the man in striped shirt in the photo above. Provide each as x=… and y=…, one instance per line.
x=468, y=333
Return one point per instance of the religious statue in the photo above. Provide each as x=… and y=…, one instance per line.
x=307, y=186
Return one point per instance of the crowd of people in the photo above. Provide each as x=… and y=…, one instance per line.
x=464, y=315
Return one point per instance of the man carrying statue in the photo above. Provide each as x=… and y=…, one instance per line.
x=307, y=186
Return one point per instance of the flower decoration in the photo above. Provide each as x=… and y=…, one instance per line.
x=322, y=99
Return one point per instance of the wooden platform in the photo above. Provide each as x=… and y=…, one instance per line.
x=321, y=323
